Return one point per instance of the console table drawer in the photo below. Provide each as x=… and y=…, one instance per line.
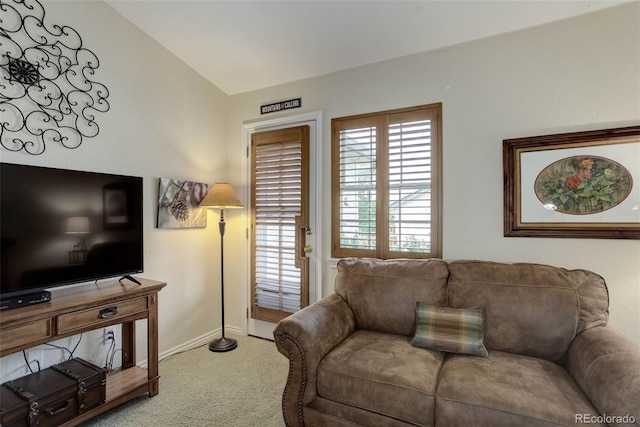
x=26, y=333
x=102, y=314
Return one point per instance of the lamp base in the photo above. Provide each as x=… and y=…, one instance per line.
x=223, y=344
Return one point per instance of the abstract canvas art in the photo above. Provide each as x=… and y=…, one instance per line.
x=178, y=204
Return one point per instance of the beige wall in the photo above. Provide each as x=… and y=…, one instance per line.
x=574, y=75
x=167, y=121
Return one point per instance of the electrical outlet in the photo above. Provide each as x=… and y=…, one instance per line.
x=109, y=335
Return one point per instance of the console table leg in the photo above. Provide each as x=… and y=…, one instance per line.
x=128, y=345
x=152, y=345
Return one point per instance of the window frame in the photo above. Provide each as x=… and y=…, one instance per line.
x=381, y=120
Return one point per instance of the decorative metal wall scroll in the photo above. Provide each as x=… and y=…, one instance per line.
x=46, y=89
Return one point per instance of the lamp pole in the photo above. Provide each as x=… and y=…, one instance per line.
x=221, y=196
x=223, y=343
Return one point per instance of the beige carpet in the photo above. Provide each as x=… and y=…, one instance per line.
x=240, y=388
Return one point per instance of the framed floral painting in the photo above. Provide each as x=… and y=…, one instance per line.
x=580, y=185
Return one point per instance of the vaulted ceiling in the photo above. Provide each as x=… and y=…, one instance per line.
x=245, y=45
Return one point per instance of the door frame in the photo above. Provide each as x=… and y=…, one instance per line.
x=314, y=119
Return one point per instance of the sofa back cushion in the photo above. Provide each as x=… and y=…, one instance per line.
x=530, y=309
x=383, y=293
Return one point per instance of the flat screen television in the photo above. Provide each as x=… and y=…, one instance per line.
x=59, y=227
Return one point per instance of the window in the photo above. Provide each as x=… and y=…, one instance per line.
x=386, y=184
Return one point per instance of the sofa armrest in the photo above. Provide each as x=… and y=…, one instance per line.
x=606, y=365
x=304, y=338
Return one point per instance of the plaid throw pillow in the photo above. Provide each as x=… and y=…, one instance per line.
x=455, y=330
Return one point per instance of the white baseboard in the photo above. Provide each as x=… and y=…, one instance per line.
x=194, y=343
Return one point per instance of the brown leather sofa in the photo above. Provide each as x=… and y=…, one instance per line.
x=552, y=361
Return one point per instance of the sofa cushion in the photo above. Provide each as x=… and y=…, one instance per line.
x=454, y=330
x=329, y=413
x=383, y=293
x=530, y=309
x=507, y=389
x=382, y=373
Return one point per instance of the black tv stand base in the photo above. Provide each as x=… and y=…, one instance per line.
x=129, y=278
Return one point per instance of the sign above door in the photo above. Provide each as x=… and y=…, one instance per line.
x=281, y=106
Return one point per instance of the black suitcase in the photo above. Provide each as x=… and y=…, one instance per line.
x=52, y=396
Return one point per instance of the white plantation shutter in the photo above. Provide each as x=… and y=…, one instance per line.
x=358, y=188
x=279, y=282
x=386, y=184
x=410, y=186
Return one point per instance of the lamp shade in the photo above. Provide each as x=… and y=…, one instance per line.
x=77, y=224
x=221, y=196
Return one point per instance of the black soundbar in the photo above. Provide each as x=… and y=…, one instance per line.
x=25, y=299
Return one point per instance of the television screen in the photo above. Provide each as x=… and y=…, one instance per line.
x=59, y=227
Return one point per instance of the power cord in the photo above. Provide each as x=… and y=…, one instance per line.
x=108, y=362
x=110, y=366
x=24, y=354
x=71, y=352
x=36, y=361
x=111, y=354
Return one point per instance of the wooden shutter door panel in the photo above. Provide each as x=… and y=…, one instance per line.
x=279, y=206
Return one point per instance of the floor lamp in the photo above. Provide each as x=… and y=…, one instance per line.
x=222, y=196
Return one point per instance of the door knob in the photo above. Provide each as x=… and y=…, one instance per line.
x=307, y=249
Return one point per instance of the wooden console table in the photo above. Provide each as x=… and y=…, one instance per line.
x=72, y=311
